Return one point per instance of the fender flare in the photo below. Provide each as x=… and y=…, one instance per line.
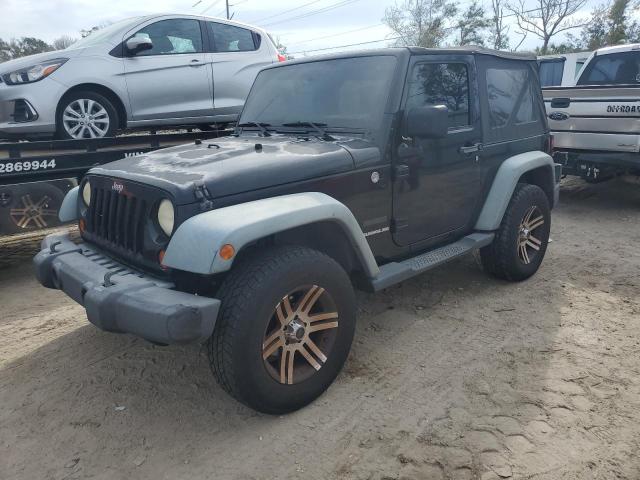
x=69, y=209
x=505, y=183
x=195, y=244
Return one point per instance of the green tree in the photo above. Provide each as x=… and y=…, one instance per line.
x=472, y=25
x=609, y=25
x=423, y=23
x=28, y=46
x=5, y=52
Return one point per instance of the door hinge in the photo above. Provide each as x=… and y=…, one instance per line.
x=400, y=171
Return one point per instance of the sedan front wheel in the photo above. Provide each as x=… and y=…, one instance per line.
x=84, y=115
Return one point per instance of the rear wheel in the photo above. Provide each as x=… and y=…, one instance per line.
x=284, y=330
x=521, y=241
x=85, y=115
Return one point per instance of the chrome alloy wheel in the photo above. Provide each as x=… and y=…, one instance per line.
x=85, y=118
x=528, y=243
x=300, y=335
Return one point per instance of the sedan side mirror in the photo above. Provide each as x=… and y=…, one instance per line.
x=427, y=122
x=136, y=45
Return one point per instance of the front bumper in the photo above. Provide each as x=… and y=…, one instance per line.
x=119, y=299
x=40, y=98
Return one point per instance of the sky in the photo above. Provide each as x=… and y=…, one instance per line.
x=304, y=26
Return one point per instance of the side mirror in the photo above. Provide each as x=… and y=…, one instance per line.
x=427, y=122
x=136, y=45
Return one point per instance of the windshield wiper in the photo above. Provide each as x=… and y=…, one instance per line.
x=316, y=126
x=261, y=127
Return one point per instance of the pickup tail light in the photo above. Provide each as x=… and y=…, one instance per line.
x=282, y=58
x=550, y=144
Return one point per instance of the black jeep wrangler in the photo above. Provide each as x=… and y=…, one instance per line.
x=358, y=169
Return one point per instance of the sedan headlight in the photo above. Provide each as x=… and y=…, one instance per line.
x=33, y=73
x=166, y=216
x=86, y=194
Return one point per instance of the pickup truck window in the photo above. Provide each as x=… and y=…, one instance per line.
x=551, y=72
x=441, y=84
x=345, y=93
x=511, y=100
x=613, y=68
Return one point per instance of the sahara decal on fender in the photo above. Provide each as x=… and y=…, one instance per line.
x=375, y=232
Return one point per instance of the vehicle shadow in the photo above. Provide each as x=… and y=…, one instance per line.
x=452, y=374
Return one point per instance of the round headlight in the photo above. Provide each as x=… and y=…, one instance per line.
x=86, y=194
x=166, y=216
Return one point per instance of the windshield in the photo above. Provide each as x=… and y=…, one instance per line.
x=614, y=68
x=348, y=93
x=99, y=36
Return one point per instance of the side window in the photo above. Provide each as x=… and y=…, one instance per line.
x=229, y=38
x=441, y=84
x=172, y=37
x=551, y=72
x=510, y=97
x=620, y=68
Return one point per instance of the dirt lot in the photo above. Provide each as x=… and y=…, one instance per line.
x=452, y=375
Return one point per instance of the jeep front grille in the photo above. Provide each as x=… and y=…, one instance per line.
x=117, y=220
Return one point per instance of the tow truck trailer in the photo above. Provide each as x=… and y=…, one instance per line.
x=35, y=176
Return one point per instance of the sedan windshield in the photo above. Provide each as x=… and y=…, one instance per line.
x=348, y=94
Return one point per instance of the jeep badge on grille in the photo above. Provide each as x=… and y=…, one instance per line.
x=118, y=187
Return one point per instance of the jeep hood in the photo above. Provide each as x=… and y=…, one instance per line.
x=232, y=165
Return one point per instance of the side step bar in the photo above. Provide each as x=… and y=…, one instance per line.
x=396, y=272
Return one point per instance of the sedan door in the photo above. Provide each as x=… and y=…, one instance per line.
x=172, y=79
x=237, y=55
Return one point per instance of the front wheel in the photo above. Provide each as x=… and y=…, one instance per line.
x=85, y=115
x=284, y=330
x=521, y=241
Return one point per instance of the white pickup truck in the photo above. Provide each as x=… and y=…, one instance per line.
x=596, y=124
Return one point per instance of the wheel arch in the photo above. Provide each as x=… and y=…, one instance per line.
x=536, y=168
x=102, y=90
x=311, y=219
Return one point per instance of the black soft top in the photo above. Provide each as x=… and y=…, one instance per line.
x=399, y=51
x=472, y=50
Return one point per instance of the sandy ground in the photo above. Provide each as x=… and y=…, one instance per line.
x=453, y=375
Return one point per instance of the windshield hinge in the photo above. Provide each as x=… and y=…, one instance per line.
x=203, y=195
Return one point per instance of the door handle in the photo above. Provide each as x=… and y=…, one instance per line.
x=196, y=63
x=467, y=149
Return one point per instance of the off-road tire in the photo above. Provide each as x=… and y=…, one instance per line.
x=114, y=119
x=249, y=295
x=501, y=258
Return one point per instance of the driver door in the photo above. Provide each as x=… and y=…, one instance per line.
x=437, y=181
x=172, y=79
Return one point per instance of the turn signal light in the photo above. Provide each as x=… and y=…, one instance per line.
x=161, y=256
x=227, y=252
x=282, y=58
x=82, y=226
